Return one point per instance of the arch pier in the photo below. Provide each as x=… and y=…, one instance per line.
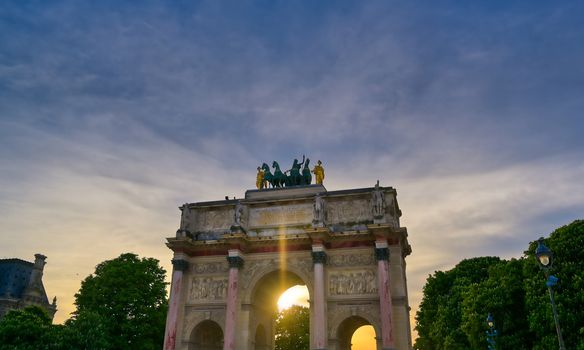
x=234, y=258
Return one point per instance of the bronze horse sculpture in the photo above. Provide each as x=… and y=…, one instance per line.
x=268, y=177
x=279, y=179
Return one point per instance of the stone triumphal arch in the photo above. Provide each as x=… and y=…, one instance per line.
x=234, y=257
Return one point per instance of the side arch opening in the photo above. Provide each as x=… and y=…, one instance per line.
x=207, y=335
x=355, y=332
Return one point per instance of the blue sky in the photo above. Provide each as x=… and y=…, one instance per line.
x=112, y=114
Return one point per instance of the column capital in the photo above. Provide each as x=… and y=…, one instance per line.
x=235, y=261
x=180, y=264
x=319, y=257
x=382, y=253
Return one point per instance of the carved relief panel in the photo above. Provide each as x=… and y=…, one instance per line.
x=208, y=289
x=352, y=282
x=352, y=274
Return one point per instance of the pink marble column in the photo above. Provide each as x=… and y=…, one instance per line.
x=319, y=327
x=235, y=263
x=382, y=256
x=179, y=265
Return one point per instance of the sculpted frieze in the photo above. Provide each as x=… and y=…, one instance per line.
x=350, y=283
x=209, y=268
x=208, y=288
x=351, y=260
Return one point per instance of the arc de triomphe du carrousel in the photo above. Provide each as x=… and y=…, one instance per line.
x=234, y=257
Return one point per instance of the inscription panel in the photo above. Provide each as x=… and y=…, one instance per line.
x=357, y=210
x=294, y=214
x=209, y=220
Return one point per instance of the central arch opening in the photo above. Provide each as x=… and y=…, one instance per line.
x=273, y=296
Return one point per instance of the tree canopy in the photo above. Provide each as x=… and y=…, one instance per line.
x=26, y=329
x=292, y=329
x=455, y=303
x=126, y=296
x=121, y=306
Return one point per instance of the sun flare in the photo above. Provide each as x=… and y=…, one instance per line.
x=296, y=295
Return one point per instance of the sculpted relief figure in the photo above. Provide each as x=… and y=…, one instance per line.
x=318, y=212
x=378, y=202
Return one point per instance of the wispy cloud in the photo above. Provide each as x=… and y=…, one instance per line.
x=112, y=115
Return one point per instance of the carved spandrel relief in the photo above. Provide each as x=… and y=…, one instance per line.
x=348, y=211
x=351, y=260
x=209, y=220
x=208, y=288
x=351, y=283
x=209, y=268
x=254, y=267
x=281, y=215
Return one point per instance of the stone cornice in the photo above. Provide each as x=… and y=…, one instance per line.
x=301, y=241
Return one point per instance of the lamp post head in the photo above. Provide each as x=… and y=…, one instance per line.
x=543, y=255
x=490, y=320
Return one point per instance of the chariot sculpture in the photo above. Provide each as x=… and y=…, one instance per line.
x=298, y=175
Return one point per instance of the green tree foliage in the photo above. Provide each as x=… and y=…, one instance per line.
x=501, y=294
x=455, y=303
x=26, y=329
x=439, y=319
x=292, y=329
x=122, y=305
x=86, y=331
x=567, y=243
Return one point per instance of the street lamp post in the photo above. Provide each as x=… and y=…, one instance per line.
x=545, y=257
x=491, y=332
